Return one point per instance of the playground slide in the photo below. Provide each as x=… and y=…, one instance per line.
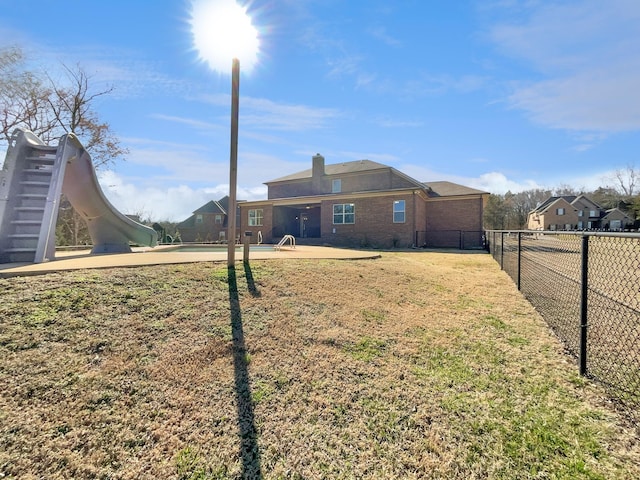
x=32, y=179
x=110, y=230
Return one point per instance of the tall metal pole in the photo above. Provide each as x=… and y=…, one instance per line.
x=233, y=164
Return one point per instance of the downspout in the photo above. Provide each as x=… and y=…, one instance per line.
x=415, y=234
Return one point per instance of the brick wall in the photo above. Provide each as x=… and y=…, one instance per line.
x=265, y=228
x=454, y=214
x=374, y=225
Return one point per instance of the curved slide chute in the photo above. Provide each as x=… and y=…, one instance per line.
x=31, y=181
x=110, y=230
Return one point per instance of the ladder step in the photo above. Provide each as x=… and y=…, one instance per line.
x=46, y=171
x=34, y=183
x=32, y=195
x=30, y=209
x=42, y=151
x=24, y=235
x=26, y=222
x=19, y=250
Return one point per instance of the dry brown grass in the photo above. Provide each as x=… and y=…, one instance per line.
x=415, y=365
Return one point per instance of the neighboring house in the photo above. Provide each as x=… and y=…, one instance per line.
x=571, y=212
x=365, y=204
x=616, y=219
x=555, y=213
x=208, y=223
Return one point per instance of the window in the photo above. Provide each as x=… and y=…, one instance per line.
x=559, y=211
x=398, y=211
x=255, y=217
x=198, y=218
x=336, y=186
x=593, y=213
x=218, y=219
x=344, y=213
x=580, y=213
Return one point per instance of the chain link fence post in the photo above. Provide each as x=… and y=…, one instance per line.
x=584, y=288
x=519, y=258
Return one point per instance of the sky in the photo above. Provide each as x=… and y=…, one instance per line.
x=496, y=95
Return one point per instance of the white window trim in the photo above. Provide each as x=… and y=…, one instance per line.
x=343, y=214
x=403, y=211
x=255, y=220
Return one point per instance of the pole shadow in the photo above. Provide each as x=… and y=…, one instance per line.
x=251, y=284
x=249, y=451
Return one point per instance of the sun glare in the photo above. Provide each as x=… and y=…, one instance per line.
x=222, y=30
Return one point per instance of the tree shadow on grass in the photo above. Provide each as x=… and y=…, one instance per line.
x=249, y=451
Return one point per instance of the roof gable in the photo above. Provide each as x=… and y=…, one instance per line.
x=615, y=212
x=557, y=202
x=586, y=202
x=450, y=189
x=544, y=206
x=211, y=207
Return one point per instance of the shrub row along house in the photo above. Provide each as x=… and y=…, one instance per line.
x=571, y=212
x=355, y=204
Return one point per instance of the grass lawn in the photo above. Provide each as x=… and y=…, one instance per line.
x=414, y=365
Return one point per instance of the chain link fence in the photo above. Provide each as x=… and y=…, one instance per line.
x=460, y=239
x=586, y=285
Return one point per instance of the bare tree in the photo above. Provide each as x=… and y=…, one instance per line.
x=23, y=98
x=71, y=106
x=564, y=190
x=521, y=203
x=50, y=109
x=626, y=180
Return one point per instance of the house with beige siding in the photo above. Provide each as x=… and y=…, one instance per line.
x=616, y=219
x=576, y=212
x=365, y=204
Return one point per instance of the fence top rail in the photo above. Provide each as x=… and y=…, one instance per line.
x=574, y=233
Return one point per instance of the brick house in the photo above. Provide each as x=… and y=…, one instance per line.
x=208, y=223
x=576, y=212
x=364, y=204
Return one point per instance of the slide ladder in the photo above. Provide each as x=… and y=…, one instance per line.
x=32, y=179
x=290, y=238
x=30, y=187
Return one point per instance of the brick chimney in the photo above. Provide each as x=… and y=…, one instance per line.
x=317, y=170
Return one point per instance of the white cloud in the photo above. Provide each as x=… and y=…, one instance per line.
x=496, y=182
x=586, y=52
x=189, y=122
x=270, y=115
x=588, y=101
x=267, y=114
x=379, y=32
x=174, y=203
